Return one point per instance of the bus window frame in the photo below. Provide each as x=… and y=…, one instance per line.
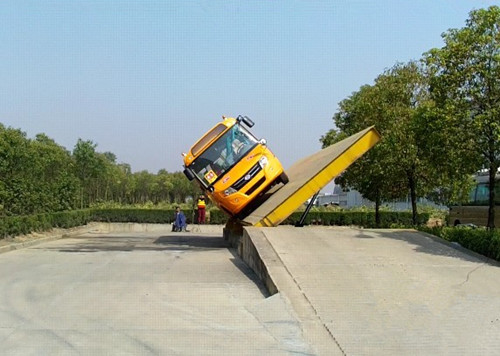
x=214, y=141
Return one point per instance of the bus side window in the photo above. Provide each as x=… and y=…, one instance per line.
x=482, y=193
x=473, y=194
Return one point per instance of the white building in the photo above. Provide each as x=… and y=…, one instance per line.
x=352, y=198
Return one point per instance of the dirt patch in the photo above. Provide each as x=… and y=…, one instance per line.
x=434, y=222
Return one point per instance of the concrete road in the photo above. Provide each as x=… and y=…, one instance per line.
x=386, y=292
x=154, y=293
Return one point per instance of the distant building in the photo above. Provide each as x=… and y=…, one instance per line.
x=352, y=198
x=344, y=199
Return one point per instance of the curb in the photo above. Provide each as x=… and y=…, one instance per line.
x=56, y=236
x=259, y=254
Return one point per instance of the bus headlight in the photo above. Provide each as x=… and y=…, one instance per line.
x=229, y=191
x=263, y=161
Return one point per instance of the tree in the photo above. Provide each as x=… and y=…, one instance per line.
x=370, y=175
x=38, y=176
x=403, y=93
x=56, y=185
x=400, y=164
x=466, y=86
x=165, y=185
x=88, y=167
x=15, y=160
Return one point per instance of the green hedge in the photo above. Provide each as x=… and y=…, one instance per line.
x=358, y=218
x=153, y=216
x=342, y=218
x=217, y=217
x=482, y=241
x=18, y=225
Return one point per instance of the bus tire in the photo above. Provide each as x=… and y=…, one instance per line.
x=283, y=178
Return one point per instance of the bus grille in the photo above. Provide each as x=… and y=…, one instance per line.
x=240, y=183
x=256, y=186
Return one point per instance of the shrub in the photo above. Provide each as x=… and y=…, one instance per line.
x=160, y=216
x=358, y=218
x=19, y=225
x=217, y=216
x=482, y=241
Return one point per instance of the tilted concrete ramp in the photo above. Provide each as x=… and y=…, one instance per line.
x=309, y=175
x=380, y=292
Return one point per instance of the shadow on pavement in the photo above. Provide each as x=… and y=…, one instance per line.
x=426, y=243
x=193, y=241
x=248, y=272
x=171, y=242
x=174, y=242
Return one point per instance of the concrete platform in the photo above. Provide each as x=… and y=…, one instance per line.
x=380, y=292
x=143, y=291
x=330, y=291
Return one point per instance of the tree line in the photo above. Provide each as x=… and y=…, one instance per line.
x=39, y=176
x=439, y=118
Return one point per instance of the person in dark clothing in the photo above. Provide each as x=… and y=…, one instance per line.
x=179, y=223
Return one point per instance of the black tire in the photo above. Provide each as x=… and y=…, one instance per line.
x=283, y=178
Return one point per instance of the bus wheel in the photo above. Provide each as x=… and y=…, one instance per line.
x=283, y=178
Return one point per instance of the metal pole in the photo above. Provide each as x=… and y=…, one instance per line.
x=304, y=214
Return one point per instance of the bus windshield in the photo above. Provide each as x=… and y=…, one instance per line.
x=223, y=154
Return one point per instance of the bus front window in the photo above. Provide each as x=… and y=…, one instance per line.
x=224, y=153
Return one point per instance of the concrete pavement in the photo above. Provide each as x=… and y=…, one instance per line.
x=140, y=293
x=342, y=291
x=382, y=292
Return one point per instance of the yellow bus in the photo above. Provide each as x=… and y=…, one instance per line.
x=475, y=211
x=232, y=166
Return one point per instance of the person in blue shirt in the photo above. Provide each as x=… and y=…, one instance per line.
x=179, y=223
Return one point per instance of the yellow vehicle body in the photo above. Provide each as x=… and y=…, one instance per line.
x=232, y=166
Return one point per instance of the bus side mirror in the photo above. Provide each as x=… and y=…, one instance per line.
x=189, y=174
x=263, y=141
x=246, y=120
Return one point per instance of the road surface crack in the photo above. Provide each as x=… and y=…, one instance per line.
x=469, y=274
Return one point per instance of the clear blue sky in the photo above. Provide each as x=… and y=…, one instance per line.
x=145, y=79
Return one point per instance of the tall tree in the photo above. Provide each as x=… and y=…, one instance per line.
x=56, y=185
x=87, y=166
x=466, y=85
x=401, y=165
x=370, y=174
x=15, y=185
x=403, y=93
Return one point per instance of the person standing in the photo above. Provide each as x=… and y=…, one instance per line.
x=201, y=209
